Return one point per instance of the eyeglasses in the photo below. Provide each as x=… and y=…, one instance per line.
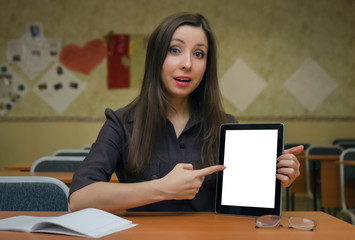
x=293, y=222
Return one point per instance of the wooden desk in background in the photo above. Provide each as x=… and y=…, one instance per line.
x=330, y=182
x=65, y=177
x=347, y=162
x=202, y=225
x=25, y=167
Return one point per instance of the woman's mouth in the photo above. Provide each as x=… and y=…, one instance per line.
x=182, y=81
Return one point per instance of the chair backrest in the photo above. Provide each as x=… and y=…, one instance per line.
x=336, y=141
x=346, y=173
x=87, y=147
x=349, y=171
x=324, y=150
x=294, y=144
x=72, y=152
x=32, y=193
x=56, y=164
x=346, y=144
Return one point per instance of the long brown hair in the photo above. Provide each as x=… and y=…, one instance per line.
x=150, y=107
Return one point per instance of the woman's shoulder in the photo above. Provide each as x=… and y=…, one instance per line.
x=231, y=119
x=119, y=114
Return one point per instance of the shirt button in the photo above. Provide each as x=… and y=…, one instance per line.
x=182, y=145
x=154, y=177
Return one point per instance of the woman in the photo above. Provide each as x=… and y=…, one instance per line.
x=163, y=146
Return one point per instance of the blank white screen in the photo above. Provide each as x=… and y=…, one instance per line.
x=250, y=160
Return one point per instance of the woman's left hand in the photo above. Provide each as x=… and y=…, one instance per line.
x=288, y=166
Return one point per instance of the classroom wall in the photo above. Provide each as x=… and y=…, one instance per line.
x=274, y=38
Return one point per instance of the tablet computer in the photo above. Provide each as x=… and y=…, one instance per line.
x=248, y=186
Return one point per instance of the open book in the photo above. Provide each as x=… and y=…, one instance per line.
x=88, y=222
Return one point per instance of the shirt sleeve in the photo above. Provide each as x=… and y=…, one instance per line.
x=231, y=119
x=105, y=154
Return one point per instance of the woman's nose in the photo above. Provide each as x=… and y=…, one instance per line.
x=186, y=62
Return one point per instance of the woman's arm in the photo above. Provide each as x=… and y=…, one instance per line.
x=181, y=183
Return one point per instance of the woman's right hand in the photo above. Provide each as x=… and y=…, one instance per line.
x=183, y=182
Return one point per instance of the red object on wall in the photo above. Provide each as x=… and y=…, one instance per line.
x=118, y=61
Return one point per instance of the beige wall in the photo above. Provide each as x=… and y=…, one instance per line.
x=273, y=37
x=25, y=142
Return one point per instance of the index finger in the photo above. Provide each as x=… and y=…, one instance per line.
x=209, y=170
x=295, y=150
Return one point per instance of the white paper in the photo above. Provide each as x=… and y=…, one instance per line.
x=241, y=85
x=58, y=87
x=12, y=88
x=33, y=53
x=89, y=222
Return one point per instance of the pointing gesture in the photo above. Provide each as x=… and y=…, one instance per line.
x=183, y=182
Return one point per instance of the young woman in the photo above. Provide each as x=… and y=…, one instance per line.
x=163, y=146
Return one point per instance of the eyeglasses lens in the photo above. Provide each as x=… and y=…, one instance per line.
x=301, y=222
x=268, y=221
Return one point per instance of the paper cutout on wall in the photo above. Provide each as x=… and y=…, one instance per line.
x=310, y=85
x=83, y=59
x=12, y=88
x=33, y=52
x=59, y=87
x=118, y=61
x=241, y=85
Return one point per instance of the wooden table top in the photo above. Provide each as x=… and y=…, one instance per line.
x=204, y=226
x=320, y=157
x=65, y=177
x=347, y=162
x=19, y=166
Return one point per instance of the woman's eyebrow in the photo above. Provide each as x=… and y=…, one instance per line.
x=182, y=41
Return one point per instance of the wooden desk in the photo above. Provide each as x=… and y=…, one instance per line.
x=300, y=184
x=202, y=225
x=19, y=166
x=330, y=180
x=65, y=177
x=347, y=162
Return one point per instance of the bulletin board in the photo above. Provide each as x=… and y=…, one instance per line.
x=70, y=82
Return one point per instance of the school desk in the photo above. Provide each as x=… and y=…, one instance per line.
x=202, y=226
x=65, y=177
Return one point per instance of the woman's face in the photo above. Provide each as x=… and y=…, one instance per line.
x=185, y=62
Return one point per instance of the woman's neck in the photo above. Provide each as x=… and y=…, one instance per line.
x=179, y=114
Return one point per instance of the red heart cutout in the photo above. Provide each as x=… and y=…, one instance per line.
x=83, y=59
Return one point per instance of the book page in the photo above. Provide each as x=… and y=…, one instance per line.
x=21, y=223
x=87, y=222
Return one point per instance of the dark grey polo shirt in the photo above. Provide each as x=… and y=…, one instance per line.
x=109, y=154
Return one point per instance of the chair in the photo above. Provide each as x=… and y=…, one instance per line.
x=314, y=169
x=347, y=173
x=56, y=164
x=346, y=144
x=295, y=144
x=87, y=147
x=72, y=152
x=336, y=141
x=33, y=194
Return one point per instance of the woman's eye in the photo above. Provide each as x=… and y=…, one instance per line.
x=199, y=54
x=174, y=50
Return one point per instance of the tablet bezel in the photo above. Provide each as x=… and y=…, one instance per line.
x=244, y=210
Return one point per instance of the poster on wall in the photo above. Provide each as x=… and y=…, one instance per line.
x=12, y=88
x=33, y=53
x=118, y=63
x=59, y=87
